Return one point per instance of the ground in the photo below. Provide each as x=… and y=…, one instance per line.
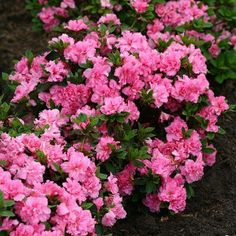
x=211, y=212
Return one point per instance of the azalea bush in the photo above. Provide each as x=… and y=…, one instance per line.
x=209, y=25
x=94, y=123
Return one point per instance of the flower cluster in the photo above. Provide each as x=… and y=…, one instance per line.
x=209, y=25
x=93, y=122
x=51, y=14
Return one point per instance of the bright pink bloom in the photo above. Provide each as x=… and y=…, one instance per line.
x=76, y=25
x=104, y=148
x=193, y=170
x=35, y=210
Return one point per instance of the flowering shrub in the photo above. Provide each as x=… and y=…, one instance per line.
x=94, y=122
x=211, y=28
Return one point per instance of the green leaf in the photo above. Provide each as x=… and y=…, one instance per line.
x=4, y=233
x=190, y=191
x=187, y=133
x=150, y=187
x=221, y=131
x=1, y=199
x=103, y=28
x=81, y=118
x=99, y=229
x=53, y=55
x=29, y=55
x=3, y=163
x=9, y=203
x=5, y=76
x=208, y=150
x=87, y=205
x=58, y=168
x=6, y=213
x=41, y=157
x=101, y=176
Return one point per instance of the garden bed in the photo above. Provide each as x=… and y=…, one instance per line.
x=211, y=212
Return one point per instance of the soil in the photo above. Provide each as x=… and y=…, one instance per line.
x=211, y=212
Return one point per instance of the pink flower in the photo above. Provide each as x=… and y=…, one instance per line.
x=106, y=3
x=152, y=202
x=214, y=50
x=109, y=18
x=109, y=219
x=218, y=104
x=75, y=189
x=119, y=210
x=57, y=71
x=32, y=172
x=173, y=191
x=133, y=42
x=160, y=94
x=198, y=62
x=76, y=25
x=64, y=38
x=77, y=165
x=50, y=117
x=47, y=16
x=125, y=180
x=23, y=90
x=187, y=89
x=68, y=3
x=99, y=203
x=104, y=149
x=22, y=66
x=113, y=105
x=80, y=52
x=8, y=224
x=210, y=159
x=140, y=5
x=35, y=210
x=111, y=184
x=193, y=144
x=193, y=170
x=26, y=230
x=161, y=165
x=170, y=63
x=174, y=130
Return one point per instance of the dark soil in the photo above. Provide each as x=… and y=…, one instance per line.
x=16, y=36
x=211, y=212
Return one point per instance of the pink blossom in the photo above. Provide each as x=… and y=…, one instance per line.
x=161, y=165
x=75, y=189
x=80, y=52
x=173, y=191
x=152, y=202
x=104, y=149
x=140, y=5
x=68, y=3
x=210, y=159
x=109, y=18
x=57, y=71
x=106, y=3
x=76, y=25
x=174, y=130
x=35, y=210
x=99, y=203
x=198, y=62
x=193, y=170
x=109, y=219
x=111, y=184
x=77, y=165
x=113, y=105
x=190, y=89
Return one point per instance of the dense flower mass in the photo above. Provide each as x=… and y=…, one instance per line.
x=94, y=120
x=209, y=25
